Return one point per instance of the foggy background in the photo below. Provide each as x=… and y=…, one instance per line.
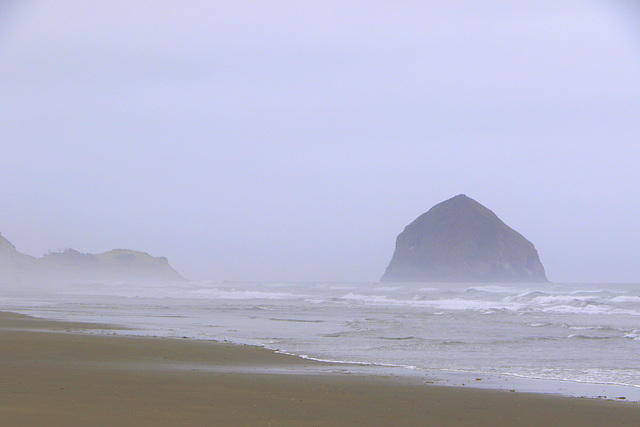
x=294, y=140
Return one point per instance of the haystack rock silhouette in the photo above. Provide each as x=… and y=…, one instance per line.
x=461, y=241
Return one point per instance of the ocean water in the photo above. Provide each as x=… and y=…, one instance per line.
x=580, y=339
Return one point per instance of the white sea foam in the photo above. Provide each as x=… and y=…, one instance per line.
x=562, y=299
x=626, y=299
x=446, y=304
x=496, y=289
x=556, y=332
x=387, y=288
x=428, y=289
x=589, y=309
x=635, y=334
x=242, y=295
x=591, y=328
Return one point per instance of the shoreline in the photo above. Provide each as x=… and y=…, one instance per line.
x=444, y=378
x=501, y=382
x=541, y=348
x=53, y=375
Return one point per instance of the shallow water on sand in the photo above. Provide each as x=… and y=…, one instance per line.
x=563, y=334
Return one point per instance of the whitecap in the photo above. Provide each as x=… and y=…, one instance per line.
x=626, y=298
x=635, y=335
x=495, y=289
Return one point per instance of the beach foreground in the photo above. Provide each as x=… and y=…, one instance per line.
x=51, y=375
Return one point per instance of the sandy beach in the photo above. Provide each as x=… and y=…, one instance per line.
x=53, y=375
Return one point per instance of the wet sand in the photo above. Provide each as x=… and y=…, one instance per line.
x=52, y=375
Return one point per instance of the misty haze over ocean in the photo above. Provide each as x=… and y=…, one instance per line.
x=294, y=141
x=273, y=152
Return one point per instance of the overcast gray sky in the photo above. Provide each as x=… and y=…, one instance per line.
x=294, y=140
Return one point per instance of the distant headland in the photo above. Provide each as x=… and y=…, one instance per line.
x=460, y=240
x=70, y=265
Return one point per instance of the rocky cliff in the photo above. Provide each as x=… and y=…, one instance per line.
x=13, y=264
x=71, y=265
x=459, y=240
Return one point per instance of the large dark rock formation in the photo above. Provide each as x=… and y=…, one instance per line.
x=72, y=266
x=459, y=240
